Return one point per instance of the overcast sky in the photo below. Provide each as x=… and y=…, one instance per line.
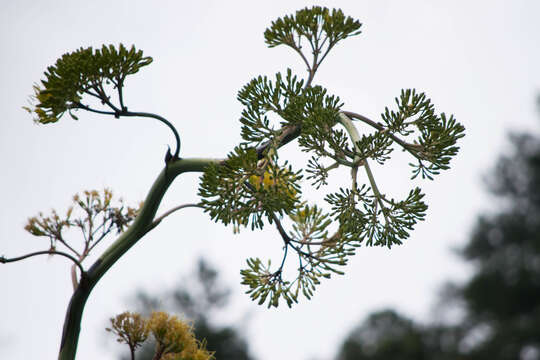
x=476, y=59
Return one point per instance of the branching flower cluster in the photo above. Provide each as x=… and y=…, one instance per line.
x=81, y=72
x=174, y=338
x=89, y=73
x=321, y=241
x=320, y=27
x=93, y=214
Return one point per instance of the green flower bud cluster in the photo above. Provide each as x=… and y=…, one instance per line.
x=249, y=188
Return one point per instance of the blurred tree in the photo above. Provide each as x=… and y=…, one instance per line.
x=197, y=298
x=384, y=335
x=387, y=335
x=501, y=301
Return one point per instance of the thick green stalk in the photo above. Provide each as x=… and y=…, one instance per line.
x=72, y=322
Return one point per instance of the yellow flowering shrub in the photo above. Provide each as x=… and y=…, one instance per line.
x=175, y=339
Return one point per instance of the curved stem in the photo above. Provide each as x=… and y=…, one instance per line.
x=312, y=70
x=283, y=260
x=333, y=166
x=281, y=230
x=297, y=49
x=104, y=98
x=310, y=78
x=286, y=134
x=330, y=46
x=139, y=227
x=376, y=125
x=380, y=127
x=355, y=137
x=160, y=118
x=141, y=114
x=63, y=242
x=372, y=182
x=4, y=260
x=158, y=220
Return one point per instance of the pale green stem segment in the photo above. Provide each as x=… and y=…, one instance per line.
x=72, y=322
x=355, y=137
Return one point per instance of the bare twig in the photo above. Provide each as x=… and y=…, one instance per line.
x=297, y=49
x=87, y=108
x=169, y=212
x=106, y=98
x=282, y=232
x=5, y=260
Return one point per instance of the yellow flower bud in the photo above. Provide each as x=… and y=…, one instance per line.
x=267, y=181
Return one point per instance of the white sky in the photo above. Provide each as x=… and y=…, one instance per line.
x=478, y=60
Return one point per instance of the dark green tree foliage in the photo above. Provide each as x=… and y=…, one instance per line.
x=503, y=296
x=197, y=297
x=384, y=335
x=387, y=335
